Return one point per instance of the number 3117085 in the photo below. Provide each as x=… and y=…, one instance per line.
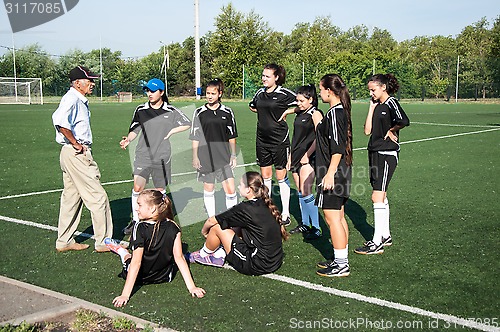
x=33, y=8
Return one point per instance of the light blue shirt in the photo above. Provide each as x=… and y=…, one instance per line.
x=73, y=113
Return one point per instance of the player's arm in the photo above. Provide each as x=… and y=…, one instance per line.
x=328, y=181
x=72, y=140
x=133, y=271
x=253, y=109
x=180, y=261
x=232, y=146
x=369, y=117
x=127, y=139
x=208, y=224
x=196, y=159
x=177, y=130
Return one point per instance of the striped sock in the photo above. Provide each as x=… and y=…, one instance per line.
x=341, y=257
x=231, y=200
x=304, y=211
x=312, y=211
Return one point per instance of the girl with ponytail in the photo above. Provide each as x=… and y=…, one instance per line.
x=334, y=170
x=259, y=249
x=156, y=248
x=384, y=120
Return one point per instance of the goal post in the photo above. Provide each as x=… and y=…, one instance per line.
x=21, y=90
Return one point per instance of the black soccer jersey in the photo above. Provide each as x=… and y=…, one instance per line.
x=260, y=231
x=155, y=125
x=270, y=106
x=158, y=264
x=303, y=134
x=331, y=138
x=386, y=116
x=213, y=129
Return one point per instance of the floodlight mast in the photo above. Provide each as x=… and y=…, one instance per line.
x=197, y=49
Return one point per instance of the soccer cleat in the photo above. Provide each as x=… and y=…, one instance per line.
x=300, y=229
x=112, y=245
x=286, y=222
x=386, y=242
x=370, y=248
x=313, y=234
x=210, y=260
x=128, y=230
x=334, y=270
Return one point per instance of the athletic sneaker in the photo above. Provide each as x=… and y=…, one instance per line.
x=210, y=260
x=300, y=229
x=191, y=257
x=286, y=222
x=324, y=264
x=370, y=248
x=334, y=270
x=112, y=244
x=386, y=242
x=313, y=234
x=128, y=230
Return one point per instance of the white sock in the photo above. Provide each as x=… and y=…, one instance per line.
x=209, y=200
x=304, y=212
x=123, y=254
x=231, y=200
x=312, y=211
x=285, y=197
x=341, y=256
x=380, y=220
x=135, y=195
x=269, y=184
x=386, y=232
x=205, y=251
x=220, y=252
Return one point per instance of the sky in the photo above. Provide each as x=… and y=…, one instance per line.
x=139, y=27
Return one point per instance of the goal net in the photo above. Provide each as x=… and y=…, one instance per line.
x=21, y=90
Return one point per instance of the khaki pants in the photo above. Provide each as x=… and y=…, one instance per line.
x=82, y=185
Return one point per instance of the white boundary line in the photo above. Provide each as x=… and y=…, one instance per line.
x=330, y=290
x=453, y=125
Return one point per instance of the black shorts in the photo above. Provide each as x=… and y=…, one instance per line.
x=240, y=256
x=328, y=200
x=277, y=156
x=159, y=171
x=219, y=175
x=382, y=167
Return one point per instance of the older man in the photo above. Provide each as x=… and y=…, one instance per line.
x=81, y=174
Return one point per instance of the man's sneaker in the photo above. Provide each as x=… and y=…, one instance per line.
x=370, y=248
x=128, y=230
x=210, y=260
x=112, y=244
x=286, y=222
x=300, y=229
x=324, y=264
x=334, y=270
x=386, y=242
x=313, y=234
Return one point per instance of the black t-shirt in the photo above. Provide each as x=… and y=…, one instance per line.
x=386, y=116
x=260, y=232
x=213, y=129
x=270, y=106
x=158, y=264
x=303, y=135
x=156, y=123
x=331, y=138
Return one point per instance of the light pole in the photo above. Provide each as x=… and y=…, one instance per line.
x=197, y=49
x=165, y=64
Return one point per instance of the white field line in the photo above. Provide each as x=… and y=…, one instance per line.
x=252, y=164
x=337, y=292
x=453, y=125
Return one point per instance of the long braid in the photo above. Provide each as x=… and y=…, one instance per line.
x=163, y=207
x=256, y=183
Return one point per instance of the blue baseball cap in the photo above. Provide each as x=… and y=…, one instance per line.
x=154, y=84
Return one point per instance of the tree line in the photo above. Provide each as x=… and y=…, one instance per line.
x=242, y=43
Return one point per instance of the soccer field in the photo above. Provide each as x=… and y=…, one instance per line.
x=440, y=273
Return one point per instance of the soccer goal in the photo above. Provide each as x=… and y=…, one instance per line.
x=21, y=90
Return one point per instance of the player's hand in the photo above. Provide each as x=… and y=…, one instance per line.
x=120, y=301
x=233, y=161
x=124, y=142
x=196, y=163
x=285, y=113
x=328, y=181
x=391, y=136
x=197, y=292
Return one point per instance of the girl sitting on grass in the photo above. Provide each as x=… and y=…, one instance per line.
x=156, y=248
x=259, y=249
